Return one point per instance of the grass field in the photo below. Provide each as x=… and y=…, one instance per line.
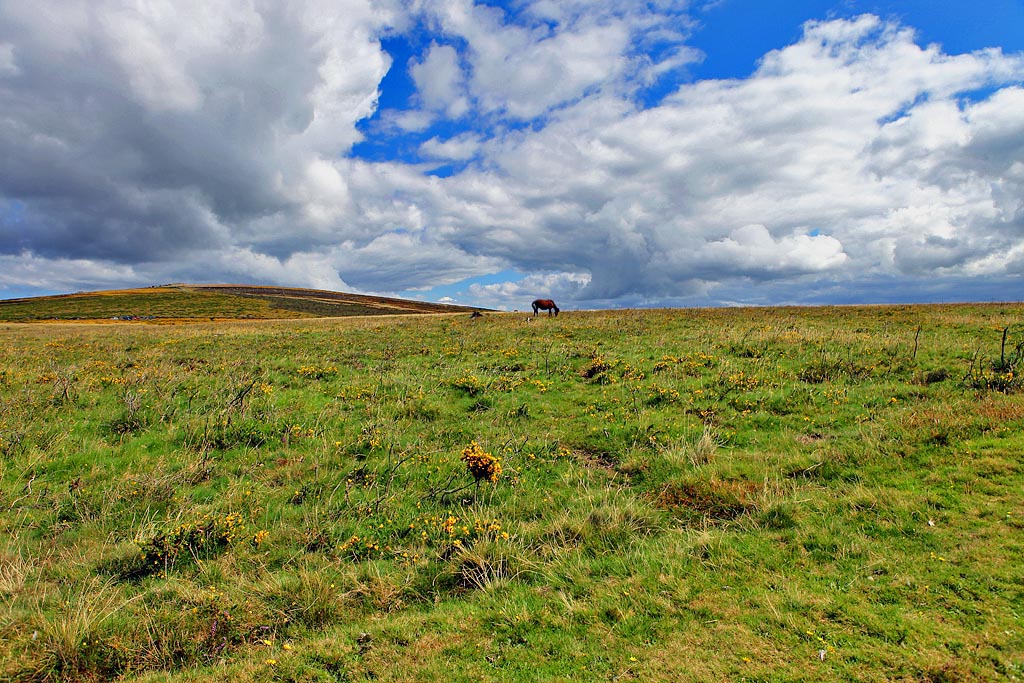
x=742, y=494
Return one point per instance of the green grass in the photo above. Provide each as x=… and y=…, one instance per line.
x=759, y=494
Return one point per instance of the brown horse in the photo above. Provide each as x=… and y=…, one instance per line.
x=546, y=305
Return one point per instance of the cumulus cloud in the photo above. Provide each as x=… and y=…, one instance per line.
x=557, y=53
x=27, y=271
x=752, y=250
x=130, y=135
x=135, y=146
x=458, y=148
x=854, y=145
x=440, y=81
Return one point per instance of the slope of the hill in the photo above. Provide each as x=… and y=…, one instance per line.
x=181, y=302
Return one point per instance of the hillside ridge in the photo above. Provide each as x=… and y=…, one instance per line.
x=185, y=302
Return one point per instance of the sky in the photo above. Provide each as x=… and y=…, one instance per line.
x=603, y=153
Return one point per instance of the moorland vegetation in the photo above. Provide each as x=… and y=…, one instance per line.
x=743, y=494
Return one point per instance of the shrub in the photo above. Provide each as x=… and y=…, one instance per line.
x=481, y=464
x=318, y=371
x=201, y=539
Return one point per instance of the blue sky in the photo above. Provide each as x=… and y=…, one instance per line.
x=602, y=153
x=734, y=34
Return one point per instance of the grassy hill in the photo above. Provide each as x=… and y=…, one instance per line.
x=696, y=495
x=176, y=303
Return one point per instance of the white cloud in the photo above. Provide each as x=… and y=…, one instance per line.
x=440, y=81
x=303, y=269
x=459, y=148
x=8, y=65
x=528, y=81
x=412, y=120
x=139, y=148
x=322, y=192
x=27, y=271
x=809, y=144
x=403, y=260
x=523, y=70
x=752, y=250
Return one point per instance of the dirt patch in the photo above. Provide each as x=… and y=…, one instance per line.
x=715, y=500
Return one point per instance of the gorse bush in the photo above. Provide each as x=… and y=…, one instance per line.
x=318, y=371
x=201, y=539
x=1005, y=375
x=831, y=369
x=481, y=464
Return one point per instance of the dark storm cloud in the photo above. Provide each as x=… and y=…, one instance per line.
x=133, y=151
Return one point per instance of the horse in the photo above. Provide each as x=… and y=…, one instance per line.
x=546, y=305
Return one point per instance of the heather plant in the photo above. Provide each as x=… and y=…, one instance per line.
x=761, y=494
